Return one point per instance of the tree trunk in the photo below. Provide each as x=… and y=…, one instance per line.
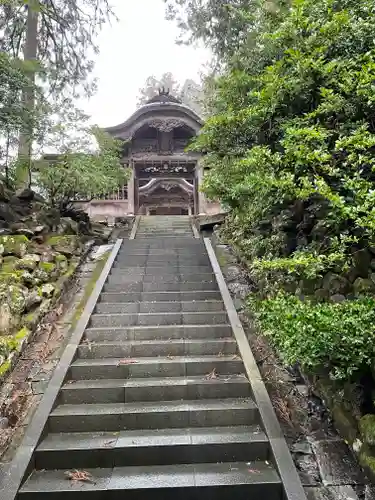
x=28, y=95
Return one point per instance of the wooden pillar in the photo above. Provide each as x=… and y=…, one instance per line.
x=131, y=187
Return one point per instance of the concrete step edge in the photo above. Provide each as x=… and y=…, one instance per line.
x=153, y=407
x=78, y=440
x=239, y=378
x=263, y=478
x=159, y=359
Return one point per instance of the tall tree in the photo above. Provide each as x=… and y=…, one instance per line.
x=30, y=53
x=226, y=26
x=60, y=35
x=190, y=92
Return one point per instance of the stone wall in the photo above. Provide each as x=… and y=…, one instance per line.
x=109, y=210
x=33, y=274
x=104, y=210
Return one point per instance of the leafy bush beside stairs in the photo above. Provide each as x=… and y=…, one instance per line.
x=338, y=339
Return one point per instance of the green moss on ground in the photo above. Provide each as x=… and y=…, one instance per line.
x=89, y=289
x=4, y=368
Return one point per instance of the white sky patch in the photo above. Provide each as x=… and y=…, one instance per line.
x=140, y=44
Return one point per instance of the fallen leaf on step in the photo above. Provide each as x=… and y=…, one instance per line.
x=212, y=375
x=79, y=476
x=220, y=355
x=127, y=361
x=253, y=471
x=109, y=443
x=170, y=356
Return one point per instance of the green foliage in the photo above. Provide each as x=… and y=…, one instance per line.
x=226, y=26
x=290, y=151
x=14, y=114
x=293, y=133
x=78, y=172
x=339, y=338
x=12, y=80
x=67, y=29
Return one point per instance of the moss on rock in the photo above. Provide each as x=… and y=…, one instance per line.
x=66, y=245
x=4, y=368
x=15, y=245
x=22, y=334
x=10, y=263
x=367, y=429
x=28, y=262
x=61, y=262
x=89, y=288
x=47, y=290
x=48, y=267
x=367, y=461
x=363, y=286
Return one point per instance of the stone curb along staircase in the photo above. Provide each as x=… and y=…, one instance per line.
x=155, y=401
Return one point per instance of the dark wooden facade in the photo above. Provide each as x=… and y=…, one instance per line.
x=164, y=177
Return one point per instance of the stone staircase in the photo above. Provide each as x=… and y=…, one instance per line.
x=156, y=227
x=156, y=403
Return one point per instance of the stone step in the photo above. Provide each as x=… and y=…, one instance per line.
x=165, y=226
x=171, y=232
x=157, y=242
x=128, y=278
x=152, y=447
x=158, y=319
x=154, y=389
x=196, y=286
x=115, y=417
x=142, y=367
x=162, y=262
x=180, y=247
x=204, y=295
x=156, y=332
x=162, y=265
x=158, y=307
x=167, y=235
x=149, y=348
x=219, y=481
x=120, y=267
x=170, y=244
x=162, y=254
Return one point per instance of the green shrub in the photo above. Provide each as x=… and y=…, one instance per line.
x=338, y=338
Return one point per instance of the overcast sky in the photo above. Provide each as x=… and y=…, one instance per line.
x=141, y=44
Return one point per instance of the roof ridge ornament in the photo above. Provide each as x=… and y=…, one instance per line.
x=164, y=92
x=163, y=96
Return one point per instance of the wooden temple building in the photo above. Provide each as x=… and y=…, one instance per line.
x=164, y=178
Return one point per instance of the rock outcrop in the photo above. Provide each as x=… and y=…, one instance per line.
x=40, y=248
